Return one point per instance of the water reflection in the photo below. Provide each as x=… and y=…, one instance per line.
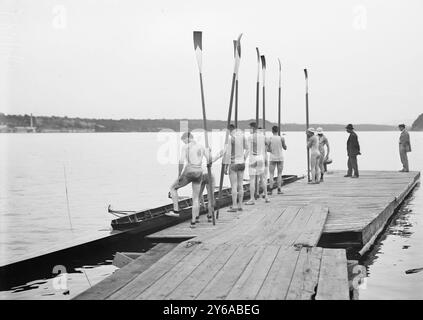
x=395, y=263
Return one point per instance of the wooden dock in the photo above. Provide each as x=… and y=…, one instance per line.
x=358, y=208
x=291, y=248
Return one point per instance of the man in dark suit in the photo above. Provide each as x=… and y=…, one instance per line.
x=353, y=150
x=404, y=147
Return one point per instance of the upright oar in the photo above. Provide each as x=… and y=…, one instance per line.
x=257, y=114
x=236, y=88
x=258, y=87
x=279, y=98
x=198, y=47
x=263, y=69
x=234, y=75
x=307, y=125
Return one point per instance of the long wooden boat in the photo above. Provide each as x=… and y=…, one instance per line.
x=152, y=220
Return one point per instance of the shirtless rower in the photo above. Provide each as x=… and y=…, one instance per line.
x=276, y=145
x=190, y=171
x=323, y=141
x=234, y=156
x=257, y=155
x=315, y=155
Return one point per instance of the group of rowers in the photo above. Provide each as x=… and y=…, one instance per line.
x=264, y=154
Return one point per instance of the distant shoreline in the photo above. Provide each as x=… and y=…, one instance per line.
x=26, y=123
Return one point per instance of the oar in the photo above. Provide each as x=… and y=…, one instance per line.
x=257, y=111
x=307, y=125
x=263, y=69
x=279, y=99
x=258, y=87
x=198, y=47
x=236, y=88
x=234, y=75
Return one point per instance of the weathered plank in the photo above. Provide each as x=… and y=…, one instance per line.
x=154, y=273
x=276, y=284
x=250, y=282
x=310, y=235
x=192, y=286
x=333, y=279
x=224, y=280
x=121, y=277
x=167, y=283
x=306, y=275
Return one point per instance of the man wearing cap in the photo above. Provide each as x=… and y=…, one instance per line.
x=323, y=141
x=353, y=150
x=404, y=147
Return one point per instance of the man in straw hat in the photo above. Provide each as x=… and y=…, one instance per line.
x=323, y=141
x=315, y=155
x=404, y=147
x=353, y=150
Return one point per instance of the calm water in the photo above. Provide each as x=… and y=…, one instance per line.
x=133, y=171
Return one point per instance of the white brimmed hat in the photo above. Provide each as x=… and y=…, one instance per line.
x=319, y=130
x=311, y=130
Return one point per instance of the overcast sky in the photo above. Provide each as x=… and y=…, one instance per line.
x=135, y=59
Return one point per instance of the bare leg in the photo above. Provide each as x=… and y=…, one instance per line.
x=280, y=169
x=263, y=183
x=318, y=168
x=252, y=188
x=210, y=194
x=240, y=183
x=272, y=167
x=313, y=165
x=195, y=201
x=321, y=166
x=175, y=198
x=233, y=179
x=201, y=193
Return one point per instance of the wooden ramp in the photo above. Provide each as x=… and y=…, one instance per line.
x=267, y=255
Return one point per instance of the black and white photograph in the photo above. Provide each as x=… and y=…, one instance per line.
x=211, y=155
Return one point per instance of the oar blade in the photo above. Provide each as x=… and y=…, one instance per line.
x=198, y=40
x=263, y=62
x=198, y=47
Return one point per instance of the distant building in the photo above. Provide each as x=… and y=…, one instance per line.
x=4, y=128
x=24, y=129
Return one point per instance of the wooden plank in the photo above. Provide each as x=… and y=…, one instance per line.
x=167, y=283
x=306, y=275
x=278, y=279
x=147, y=278
x=224, y=280
x=311, y=233
x=192, y=286
x=121, y=277
x=291, y=232
x=280, y=227
x=250, y=282
x=120, y=260
x=277, y=228
x=333, y=279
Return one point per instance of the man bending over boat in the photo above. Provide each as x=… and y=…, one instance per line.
x=257, y=157
x=190, y=171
